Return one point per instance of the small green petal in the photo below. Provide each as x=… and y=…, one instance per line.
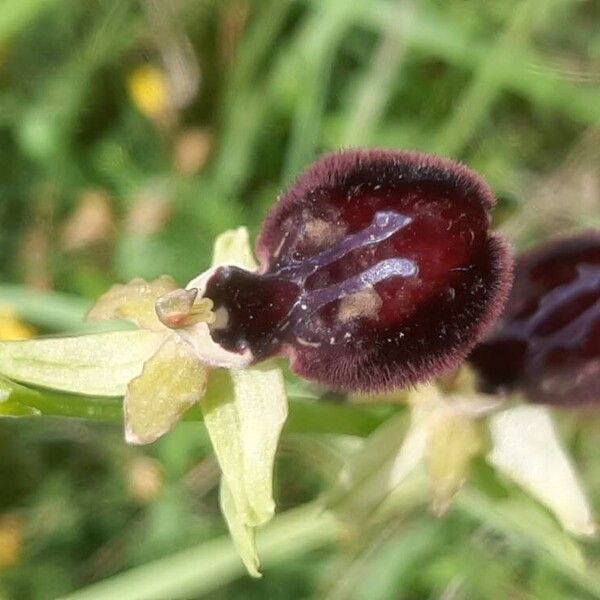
x=96, y=365
x=454, y=440
x=242, y=535
x=527, y=449
x=244, y=413
x=172, y=381
x=442, y=436
x=233, y=248
x=133, y=301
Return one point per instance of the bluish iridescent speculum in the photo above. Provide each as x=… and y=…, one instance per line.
x=548, y=339
x=287, y=302
x=377, y=271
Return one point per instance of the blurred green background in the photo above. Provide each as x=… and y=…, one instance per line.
x=133, y=132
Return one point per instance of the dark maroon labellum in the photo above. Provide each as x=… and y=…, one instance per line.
x=378, y=271
x=548, y=340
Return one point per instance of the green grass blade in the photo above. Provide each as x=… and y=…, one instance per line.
x=200, y=570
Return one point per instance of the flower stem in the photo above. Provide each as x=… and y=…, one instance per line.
x=305, y=416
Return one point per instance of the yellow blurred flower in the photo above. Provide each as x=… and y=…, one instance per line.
x=148, y=88
x=11, y=540
x=11, y=327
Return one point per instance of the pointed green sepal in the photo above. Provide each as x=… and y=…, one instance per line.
x=94, y=365
x=244, y=413
x=243, y=536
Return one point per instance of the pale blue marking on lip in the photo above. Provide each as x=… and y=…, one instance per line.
x=392, y=267
x=384, y=225
x=386, y=269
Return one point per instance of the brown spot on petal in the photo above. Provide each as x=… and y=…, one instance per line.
x=320, y=233
x=361, y=305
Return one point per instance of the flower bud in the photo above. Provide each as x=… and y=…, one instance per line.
x=548, y=340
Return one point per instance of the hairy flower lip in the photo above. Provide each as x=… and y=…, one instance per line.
x=503, y=252
x=543, y=342
x=372, y=203
x=200, y=338
x=336, y=171
x=333, y=167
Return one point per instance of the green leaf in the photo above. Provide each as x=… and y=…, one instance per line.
x=95, y=365
x=525, y=523
x=204, y=569
x=454, y=440
x=16, y=16
x=51, y=310
x=243, y=536
x=134, y=301
x=526, y=449
x=244, y=412
x=10, y=408
x=172, y=381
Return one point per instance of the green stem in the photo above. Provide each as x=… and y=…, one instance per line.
x=305, y=416
x=320, y=417
x=59, y=404
x=199, y=570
